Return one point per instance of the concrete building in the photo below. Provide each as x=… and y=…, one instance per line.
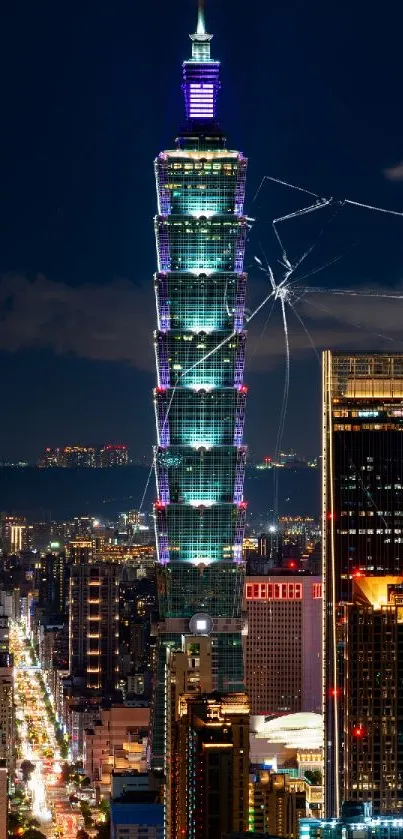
x=283, y=646
x=136, y=809
x=117, y=740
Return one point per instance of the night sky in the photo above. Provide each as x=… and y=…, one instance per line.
x=90, y=92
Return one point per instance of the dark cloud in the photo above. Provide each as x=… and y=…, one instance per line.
x=394, y=173
x=107, y=323
x=333, y=321
x=114, y=322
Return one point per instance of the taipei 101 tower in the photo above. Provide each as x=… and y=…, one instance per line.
x=200, y=395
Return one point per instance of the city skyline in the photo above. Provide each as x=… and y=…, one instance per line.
x=183, y=662
x=80, y=210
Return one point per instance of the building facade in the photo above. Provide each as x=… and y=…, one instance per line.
x=136, y=809
x=200, y=395
x=277, y=802
x=373, y=720
x=362, y=540
x=283, y=645
x=212, y=766
x=116, y=741
x=94, y=626
x=7, y=743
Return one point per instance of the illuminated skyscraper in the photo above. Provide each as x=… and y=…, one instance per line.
x=200, y=397
x=363, y=572
x=283, y=647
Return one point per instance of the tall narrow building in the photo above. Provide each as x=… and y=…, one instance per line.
x=200, y=396
x=94, y=626
x=363, y=572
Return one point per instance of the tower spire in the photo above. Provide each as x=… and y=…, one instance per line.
x=201, y=26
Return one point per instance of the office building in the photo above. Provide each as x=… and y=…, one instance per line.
x=277, y=802
x=373, y=683
x=212, y=767
x=362, y=539
x=94, y=626
x=283, y=645
x=200, y=395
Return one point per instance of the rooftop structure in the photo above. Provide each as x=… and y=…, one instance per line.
x=356, y=822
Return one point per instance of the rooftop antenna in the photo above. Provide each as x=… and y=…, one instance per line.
x=201, y=26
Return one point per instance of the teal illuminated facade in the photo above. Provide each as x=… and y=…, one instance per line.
x=200, y=396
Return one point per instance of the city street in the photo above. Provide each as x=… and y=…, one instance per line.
x=37, y=744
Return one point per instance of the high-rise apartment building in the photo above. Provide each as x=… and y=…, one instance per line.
x=283, y=645
x=200, y=397
x=363, y=542
x=14, y=533
x=94, y=626
x=87, y=457
x=111, y=455
x=51, y=582
x=81, y=551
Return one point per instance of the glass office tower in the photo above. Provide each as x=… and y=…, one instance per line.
x=363, y=577
x=200, y=395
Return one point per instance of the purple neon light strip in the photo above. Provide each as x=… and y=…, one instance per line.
x=239, y=313
x=163, y=423
x=164, y=256
x=163, y=308
x=164, y=379
x=239, y=419
x=162, y=176
x=163, y=485
x=239, y=480
x=162, y=541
